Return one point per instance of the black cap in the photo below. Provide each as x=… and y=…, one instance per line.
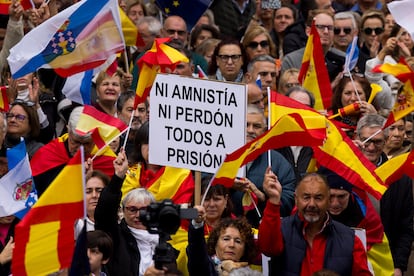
x=334, y=180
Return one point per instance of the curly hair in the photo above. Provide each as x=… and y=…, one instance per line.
x=246, y=234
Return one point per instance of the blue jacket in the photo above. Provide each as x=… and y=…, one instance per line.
x=255, y=173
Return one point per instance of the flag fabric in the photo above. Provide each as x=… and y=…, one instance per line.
x=201, y=73
x=4, y=6
x=189, y=10
x=396, y=167
x=104, y=127
x=79, y=38
x=287, y=131
x=313, y=74
x=174, y=183
x=27, y=4
x=249, y=201
x=401, y=11
x=130, y=31
x=4, y=101
x=404, y=104
x=77, y=87
x=157, y=59
x=352, y=55
x=340, y=155
x=44, y=239
x=18, y=193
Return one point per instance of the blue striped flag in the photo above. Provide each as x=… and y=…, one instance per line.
x=352, y=54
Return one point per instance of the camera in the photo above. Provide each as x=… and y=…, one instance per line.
x=164, y=218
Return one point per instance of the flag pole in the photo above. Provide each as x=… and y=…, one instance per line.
x=255, y=205
x=370, y=137
x=269, y=152
x=129, y=128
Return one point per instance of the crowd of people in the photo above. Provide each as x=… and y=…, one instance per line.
x=307, y=220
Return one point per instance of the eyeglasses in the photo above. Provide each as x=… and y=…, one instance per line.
x=225, y=58
x=133, y=210
x=346, y=30
x=323, y=27
x=179, y=32
x=377, y=31
x=19, y=117
x=255, y=44
x=376, y=142
x=21, y=102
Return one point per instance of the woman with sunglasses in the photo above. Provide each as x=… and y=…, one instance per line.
x=23, y=121
x=372, y=29
x=257, y=41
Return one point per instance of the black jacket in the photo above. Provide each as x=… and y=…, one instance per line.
x=125, y=258
x=397, y=212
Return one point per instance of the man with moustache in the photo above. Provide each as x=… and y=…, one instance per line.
x=255, y=171
x=308, y=240
x=125, y=109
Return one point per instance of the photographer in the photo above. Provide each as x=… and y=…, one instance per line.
x=133, y=245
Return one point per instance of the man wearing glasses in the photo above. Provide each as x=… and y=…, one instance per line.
x=334, y=58
x=396, y=205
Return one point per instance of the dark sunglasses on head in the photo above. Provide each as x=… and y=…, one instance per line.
x=21, y=102
x=346, y=30
x=255, y=44
x=378, y=31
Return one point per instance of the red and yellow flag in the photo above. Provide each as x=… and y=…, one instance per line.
x=157, y=59
x=104, y=127
x=44, y=239
x=130, y=31
x=394, y=168
x=340, y=155
x=313, y=74
x=4, y=101
x=287, y=131
x=4, y=6
x=404, y=104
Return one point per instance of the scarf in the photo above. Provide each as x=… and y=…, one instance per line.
x=220, y=77
x=146, y=243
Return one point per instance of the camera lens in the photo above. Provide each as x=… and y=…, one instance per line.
x=169, y=219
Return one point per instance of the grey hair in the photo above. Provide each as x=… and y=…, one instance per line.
x=258, y=59
x=346, y=15
x=303, y=90
x=138, y=195
x=154, y=25
x=370, y=121
x=73, y=122
x=3, y=115
x=254, y=109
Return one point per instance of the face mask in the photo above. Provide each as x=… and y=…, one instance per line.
x=23, y=95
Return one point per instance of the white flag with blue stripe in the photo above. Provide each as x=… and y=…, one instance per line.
x=17, y=190
x=352, y=54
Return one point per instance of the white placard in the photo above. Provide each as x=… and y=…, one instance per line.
x=194, y=123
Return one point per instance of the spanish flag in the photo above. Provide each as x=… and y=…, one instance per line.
x=157, y=59
x=104, y=127
x=44, y=239
x=396, y=167
x=287, y=131
x=340, y=155
x=405, y=98
x=130, y=31
x=4, y=6
x=4, y=102
x=313, y=74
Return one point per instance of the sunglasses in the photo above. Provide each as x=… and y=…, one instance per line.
x=255, y=44
x=21, y=102
x=378, y=31
x=19, y=117
x=346, y=30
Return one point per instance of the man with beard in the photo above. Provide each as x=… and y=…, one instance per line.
x=125, y=109
x=308, y=240
x=255, y=172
